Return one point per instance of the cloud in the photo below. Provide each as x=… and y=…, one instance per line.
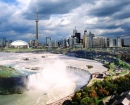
x=105, y=8
x=57, y=18
x=122, y=14
x=51, y=7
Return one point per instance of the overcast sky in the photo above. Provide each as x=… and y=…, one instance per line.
x=58, y=18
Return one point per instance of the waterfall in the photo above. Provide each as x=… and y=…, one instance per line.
x=72, y=78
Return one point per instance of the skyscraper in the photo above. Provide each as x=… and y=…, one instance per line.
x=111, y=43
x=99, y=42
x=85, y=39
x=48, y=40
x=74, y=31
x=91, y=39
x=36, y=39
x=71, y=42
x=3, y=42
x=119, y=42
x=31, y=43
x=78, y=37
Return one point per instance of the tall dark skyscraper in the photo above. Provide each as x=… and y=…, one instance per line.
x=78, y=36
x=36, y=39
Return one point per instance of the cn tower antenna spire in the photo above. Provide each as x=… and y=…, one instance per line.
x=36, y=14
x=36, y=40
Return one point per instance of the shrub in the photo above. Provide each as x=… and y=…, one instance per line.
x=89, y=66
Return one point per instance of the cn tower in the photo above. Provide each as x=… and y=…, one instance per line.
x=36, y=39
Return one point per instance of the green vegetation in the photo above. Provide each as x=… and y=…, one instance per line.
x=6, y=72
x=125, y=57
x=124, y=72
x=89, y=66
x=14, y=90
x=110, y=66
x=21, y=49
x=94, y=80
x=106, y=64
x=93, y=95
x=122, y=64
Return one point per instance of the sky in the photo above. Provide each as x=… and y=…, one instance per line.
x=58, y=18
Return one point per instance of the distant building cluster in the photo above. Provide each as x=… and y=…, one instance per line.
x=88, y=40
x=4, y=42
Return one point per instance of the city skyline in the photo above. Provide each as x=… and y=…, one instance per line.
x=106, y=18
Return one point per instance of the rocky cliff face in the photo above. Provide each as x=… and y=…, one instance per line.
x=13, y=85
x=11, y=81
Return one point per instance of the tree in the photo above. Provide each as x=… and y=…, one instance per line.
x=87, y=101
x=112, y=66
x=67, y=102
x=101, y=103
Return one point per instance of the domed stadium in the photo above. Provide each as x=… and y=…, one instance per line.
x=19, y=44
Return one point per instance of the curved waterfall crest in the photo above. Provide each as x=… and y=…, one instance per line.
x=73, y=71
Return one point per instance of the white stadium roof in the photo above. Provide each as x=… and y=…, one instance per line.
x=19, y=43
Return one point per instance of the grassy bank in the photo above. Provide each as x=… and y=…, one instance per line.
x=6, y=72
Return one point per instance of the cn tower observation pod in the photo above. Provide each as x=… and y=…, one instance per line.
x=19, y=44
